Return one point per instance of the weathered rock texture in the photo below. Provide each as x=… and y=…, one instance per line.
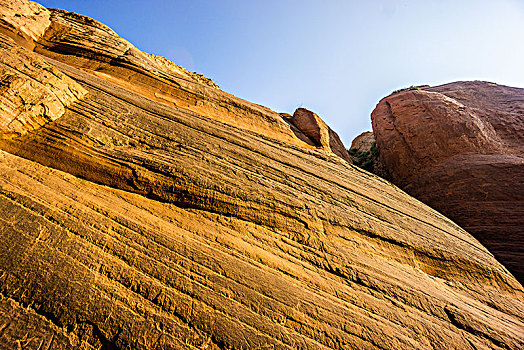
x=311, y=125
x=363, y=141
x=137, y=224
x=90, y=45
x=32, y=92
x=459, y=148
x=364, y=153
x=24, y=20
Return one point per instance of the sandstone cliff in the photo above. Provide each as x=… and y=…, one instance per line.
x=91, y=46
x=158, y=212
x=459, y=148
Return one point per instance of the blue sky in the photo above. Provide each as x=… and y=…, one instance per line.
x=337, y=58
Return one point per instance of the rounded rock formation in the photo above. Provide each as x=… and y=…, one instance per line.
x=459, y=147
x=321, y=135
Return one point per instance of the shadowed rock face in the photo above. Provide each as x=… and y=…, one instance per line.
x=131, y=222
x=459, y=148
x=318, y=132
x=363, y=141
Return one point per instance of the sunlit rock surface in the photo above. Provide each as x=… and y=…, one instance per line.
x=199, y=220
x=311, y=125
x=32, y=92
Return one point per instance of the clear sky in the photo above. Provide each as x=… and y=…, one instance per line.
x=337, y=58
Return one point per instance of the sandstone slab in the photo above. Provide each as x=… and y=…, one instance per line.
x=132, y=223
x=90, y=45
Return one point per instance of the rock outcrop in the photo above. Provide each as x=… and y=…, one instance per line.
x=459, y=148
x=365, y=154
x=321, y=135
x=92, y=46
x=363, y=141
x=133, y=223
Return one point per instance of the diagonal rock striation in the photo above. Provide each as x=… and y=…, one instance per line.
x=134, y=222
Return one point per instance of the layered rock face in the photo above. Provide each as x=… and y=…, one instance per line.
x=459, y=148
x=32, y=92
x=24, y=20
x=134, y=222
x=91, y=46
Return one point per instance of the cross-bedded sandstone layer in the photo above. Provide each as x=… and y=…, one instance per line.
x=134, y=223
